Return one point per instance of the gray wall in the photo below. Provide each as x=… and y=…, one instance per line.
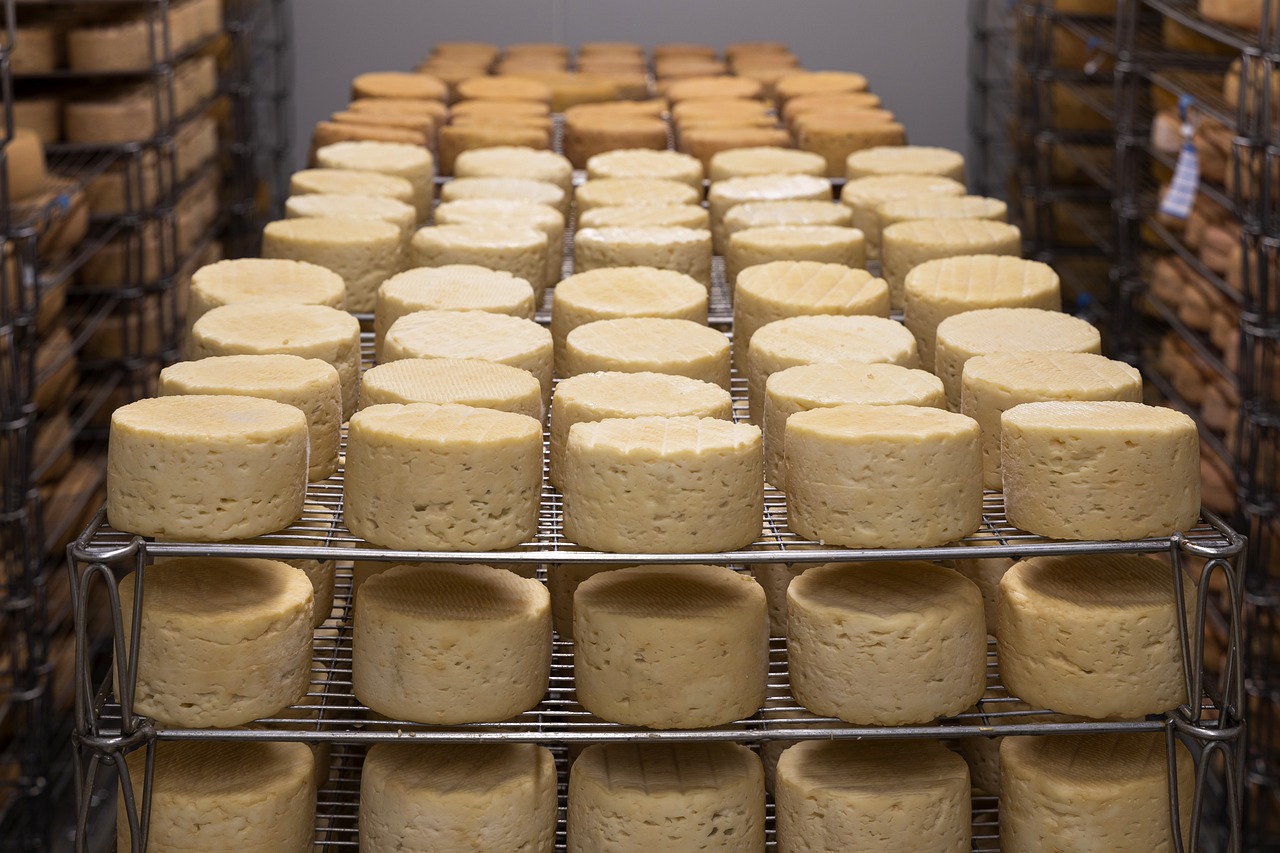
x=913, y=51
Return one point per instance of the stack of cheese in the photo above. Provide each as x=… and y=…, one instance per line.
x=387, y=106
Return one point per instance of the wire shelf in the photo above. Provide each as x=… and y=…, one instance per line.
x=1187, y=13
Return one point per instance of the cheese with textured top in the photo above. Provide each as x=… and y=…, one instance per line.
x=727, y=194
x=824, y=244
x=467, y=382
x=176, y=467
x=682, y=250
x=671, y=647
x=822, y=339
x=864, y=196
x=442, y=477
x=514, y=161
x=308, y=384
x=682, y=796
x=449, y=644
x=1100, y=470
x=933, y=206
x=765, y=160
x=525, y=189
x=616, y=192
x=353, y=206
x=309, y=331
x=483, y=211
x=647, y=216
x=768, y=214
x=993, y=384
x=262, y=280
x=318, y=520
x=519, y=249
x=1092, y=792
x=663, y=485
x=888, y=796
x=446, y=797
x=454, y=287
x=563, y=580
x=822, y=386
x=411, y=162
x=908, y=244
x=886, y=643
x=646, y=163
x=989, y=331
x=942, y=288
x=905, y=160
x=649, y=345
x=223, y=641
x=365, y=252
x=350, y=181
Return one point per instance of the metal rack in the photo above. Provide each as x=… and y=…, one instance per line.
x=990, y=103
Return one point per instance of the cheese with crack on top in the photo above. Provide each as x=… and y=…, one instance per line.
x=906, y=245
x=765, y=160
x=467, y=382
x=649, y=345
x=725, y=195
x=1100, y=470
x=350, y=181
x=515, y=161
x=646, y=163
x=526, y=189
x=206, y=468
x=769, y=214
x=680, y=647
x=905, y=160
x=625, y=797
x=442, y=477
x=825, y=244
x=450, y=643
x=482, y=211
x=864, y=196
x=684, y=250
x=445, y=796
x=614, y=192
x=224, y=641
x=520, y=250
x=889, y=796
x=365, y=252
x=663, y=485
x=886, y=643
x=647, y=216
x=398, y=159
x=263, y=280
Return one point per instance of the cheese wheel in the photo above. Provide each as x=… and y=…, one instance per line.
x=823, y=244
x=889, y=796
x=1100, y=470
x=526, y=189
x=822, y=386
x=933, y=206
x=842, y=101
x=864, y=196
x=498, y=109
x=467, y=382
x=704, y=138
x=765, y=160
x=476, y=134
x=674, y=796
x=647, y=164
x=490, y=796
x=410, y=107
x=737, y=109
x=563, y=579
x=503, y=87
x=223, y=641
x=768, y=214
x=774, y=578
x=649, y=345
x=614, y=192
x=591, y=397
x=317, y=520
x=341, y=206
x=411, y=162
x=999, y=330
x=838, y=616
x=1092, y=792
x=586, y=135
x=682, y=250
x=646, y=216
x=663, y=485
x=398, y=84
x=993, y=384
x=175, y=467
x=987, y=573
x=365, y=252
x=36, y=47
x=482, y=211
x=25, y=164
x=507, y=161
x=40, y=114
x=822, y=339
x=309, y=331
x=518, y=249
x=724, y=195
x=680, y=647
x=473, y=334
x=450, y=644
x=698, y=88
x=819, y=82
x=871, y=476
x=942, y=288
x=207, y=796
x=308, y=384
x=905, y=160
x=627, y=291
x=442, y=477
x=836, y=135
x=909, y=244
x=262, y=280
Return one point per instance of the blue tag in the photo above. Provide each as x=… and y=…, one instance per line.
x=1181, y=195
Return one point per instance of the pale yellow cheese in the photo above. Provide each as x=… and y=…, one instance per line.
x=725, y=195
x=467, y=382
x=886, y=643
x=525, y=189
x=1100, y=470
x=646, y=216
x=483, y=211
x=818, y=82
x=446, y=644
x=933, y=206
x=563, y=580
x=986, y=572
x=616, y=192
x=681, y=647
x=349, y=181
x=864, y=196
x=823, y=244
x=666, y=485
x=317, y=520
x=765, y=160
x=905, y=160
x=398, y=84
x=765, y=214
x=262, y=280
x=514, y=161
x=646, y=163
x=25, y=164
x=351, y=206
x=365, y=252
x=518, y=249
x=908, y=244
x=411, y=162
x=682, y=250
x=651, y=345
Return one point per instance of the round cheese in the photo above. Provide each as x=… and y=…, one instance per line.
x=666, y=796
x=823, y=244
x=767, y=214
x=347, y=206
x=308, y=384
x=467, y=382
x=705, y=137
x=591, y=397
x=503, y=87
x=905, y=160
x=993, y=384
x=864, y=196
x=726, y=194
x=474, y=335
x=909, y=244
x=474, y=133
x=699, y=88
x=665, y=485
x=682, y=250
x=818, y=82
x=646, y=216
x=670, y=647
x=397, y=84
x=645, y=163
x=990, y=331
x=1100, y=470
x=616, y=192
x=843, y=101
x=442, y=477
x=887, y=643
x=741, y=162
x=483, y=211
x=838, y=134
x=822, y=339
x=889, y=796
x=526, y=189
x=175, y=467
x=649, y=345
x=587, y=135
x=348, y=181
x=511, y=161
x=25, y=164
x=490, y=796
x=869, y=476
x=365, y=252
x=500, y=107
x=224, y=641
x=518, y=249
x=774, y=578
x=942, y=288
x=454, y=287
x=933, y=206
x=318, y=520
x=262, y=280
x=987, y=573
x=563, y=580
x=821, y=386
x=740, y=110
x=309, y=331
x=450, y=644
x=411, y=162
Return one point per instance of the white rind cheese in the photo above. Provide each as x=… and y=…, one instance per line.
x=765, y=160
x=863, y=196
x=518, y=249
x=682, y=250
x=263, y=280
x=647, y=216
x=411, y=162
x=563, y=580
x=344, y=181
x=932, y=206
x=826, y=244
x=889, y=643
x=516, y=161
x=365, y=252
x=526, y=189
x=987, y=573
x=727, y=194
x=906, y=245
x=769, y=214
x=616, y=192
x=905, y=160
x=467, y=382
x=649, y=345
x=514, y=211
x=354, y=206
x=318, y=520
x=644, y=163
